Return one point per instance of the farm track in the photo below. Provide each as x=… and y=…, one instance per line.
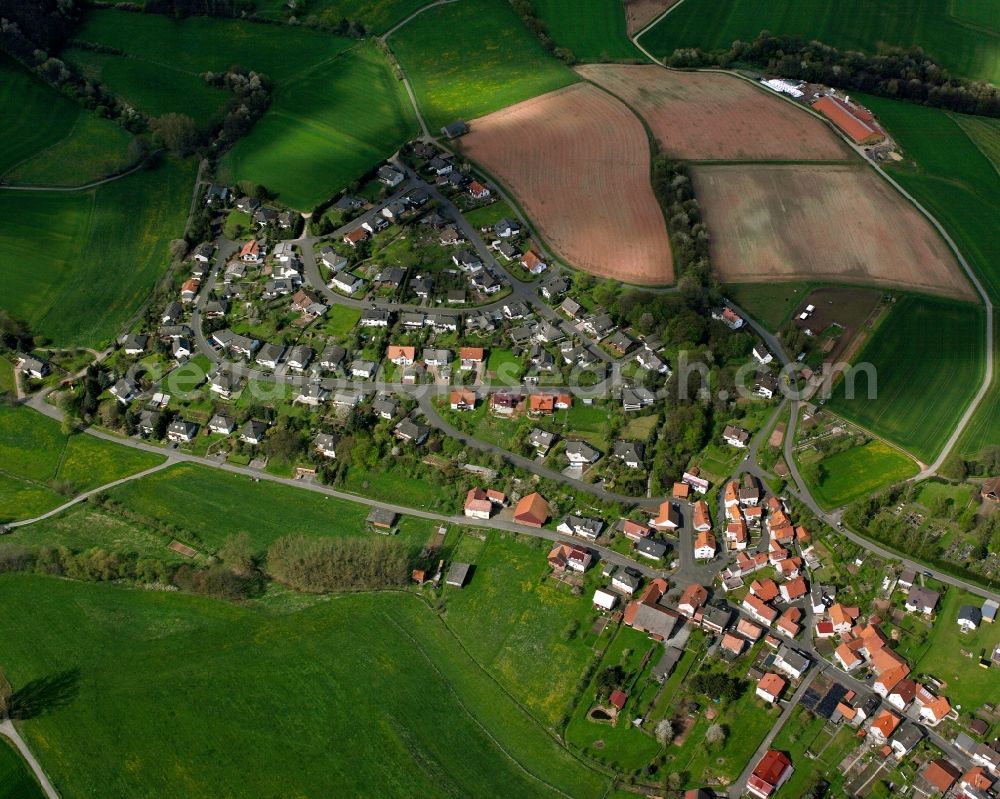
x=92, y=185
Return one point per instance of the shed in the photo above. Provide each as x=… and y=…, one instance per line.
x=457, y=574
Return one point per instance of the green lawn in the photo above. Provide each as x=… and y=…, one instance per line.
x=928, y=361
x=495, y=62
x=958, y=184
x=207, y=505
x=35, y=453
x=341, y=320
x=594, y=30
x=325, y=128
x=79, y=264
x=623, y=745
x=771, y=304
x=376, y=15
x=961, y=38
x=336, y=108
x=50, y=139
x=805, y=732
x=523, y=644
x=985, y=133
x=16, y=779
x=490, y=214
x=860, y=472
x=360, y=695
x=967, y=684
x=155, y=87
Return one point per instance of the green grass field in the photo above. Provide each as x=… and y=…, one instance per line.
x=495, y=62
x=156, y=693
x=859, y=472
x=967, y=684
x=956, y=182
x=522, y=644
x=79, y=264
x=16, y=779
x=928, y=360
x=34, y=452
x=593, y=29
x=963, y=38
x=376, y=15
x=771, y=304
x=50, y=139
x=207, y=505
x=325, y=128
x=985, y=134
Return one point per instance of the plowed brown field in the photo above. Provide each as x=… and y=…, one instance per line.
x=707, y=116
x=841, y=224
x=577, y=160
x=639, y=13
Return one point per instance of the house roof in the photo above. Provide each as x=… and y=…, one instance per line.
x=886, y=722
x=941, y=774
x=532, y=509
x=766, y=589
x=795, y=588
x=770, y=769
x=695, y=595
x=841, y=115
x=772, y=683
x=618, y=699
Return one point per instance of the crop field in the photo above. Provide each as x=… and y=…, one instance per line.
x=985, y=134
x=325, y=128
x=860, y=472
x=80, y=263
x=960, y=36
x=524, y=644
x=376, y=15
x=840, y=224
x=588, y=152
x=51, y=140
x=953, y=179
x=207, y=505
x=592, y=29
x=705, y=116
x=639, y=13
x=496, y=61
x=928, y=360
x=16, y=779
x=361, y=695
x=34, y=453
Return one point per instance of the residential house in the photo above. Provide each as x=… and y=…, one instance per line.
x=389, y=176
x=790, y=662
x=668, y=518
x=759, y=609
x=969, y=618
x=541, y=440
x=771, y=686
x=363, y=369
x=299, y=357
x=467, y=261
x=253, y=432
x=470, y=358
x=905, y=738
x=581, y=526
x=378, y=317
x=332, y=357
x=922, y=599
x=411, y=432
x=651, y=548
x=884, y=725
x=348, y=283
x=940, y=774
x=221, y=424
x=181, y=430
x=401, y=355
x=124, y=390
x=135, y=344
x=269, y=355
x=580, y=453
x=331, y=259
x=736, y=436
x=436, y=357
x=478, y=191
x=224, y=384
x=630, y=453
x=771, y=772
x=604, y=600
x=732, y=645
x=794, y=589
x=480, y=504
x=702, y=522
x=252, y=252
x=647, y=615
x=694, y=597
x=761, y=353
x=569, y=557
x=385, y=407
x=314, y=394
x=462, y=400
x=356, y=236
x=532, y=263
x=704, y=546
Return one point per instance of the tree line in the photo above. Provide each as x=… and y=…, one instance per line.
x=897, y=73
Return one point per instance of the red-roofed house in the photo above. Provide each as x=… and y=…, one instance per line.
x=668, y=518
x=532, y=510
x=849, y=120
x=941, y=774
x=884, y=725
x=794, y=589
x=694, y=597
x=770, y=773
x=618, y=699
x=771, y=686
x=634, y=531
x=766, y=589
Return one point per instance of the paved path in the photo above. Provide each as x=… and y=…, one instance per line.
x=170, y=460
x=85, y=186
x=8, y=729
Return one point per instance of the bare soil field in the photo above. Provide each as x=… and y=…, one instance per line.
x=577, y=160
x=639, y=13
x=852, y=309
x=707, y=116
x=840, y=224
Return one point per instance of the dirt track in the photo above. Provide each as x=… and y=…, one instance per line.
x=710, y=116
x=833, y=223
x=577, y=160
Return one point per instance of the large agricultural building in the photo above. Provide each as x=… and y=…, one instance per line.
x=856, y=122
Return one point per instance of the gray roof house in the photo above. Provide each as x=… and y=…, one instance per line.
x=221, y=423
x=181, y=430
x=411, y=431
x=630, y=453
x=580, y=452
x=651, y=548
x=253, y=432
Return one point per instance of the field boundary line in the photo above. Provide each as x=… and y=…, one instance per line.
x=470, y=714
x=656, y=21
x=86, y=186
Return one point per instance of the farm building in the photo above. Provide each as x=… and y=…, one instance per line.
x=852, y=120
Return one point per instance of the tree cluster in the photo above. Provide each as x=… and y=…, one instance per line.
x=896, y=73
x=318, y=565
x=525, y=9
x=718, y=685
